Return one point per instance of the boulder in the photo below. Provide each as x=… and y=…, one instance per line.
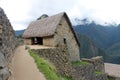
x=3, y=62
x=4, y=73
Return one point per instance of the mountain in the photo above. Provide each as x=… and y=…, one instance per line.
x=88, y=49
x=104, y=37
x=19, y=32
x=100, y=34
x=114, y=49
x=114, y=53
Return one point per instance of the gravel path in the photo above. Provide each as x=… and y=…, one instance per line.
x=23, y=66
x=112, y=69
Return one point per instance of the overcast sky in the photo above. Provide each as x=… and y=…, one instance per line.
x=22, y=12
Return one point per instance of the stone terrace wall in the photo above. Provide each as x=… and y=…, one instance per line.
x=113, y=77
x=7, y=45
x=102, y=76
x=93, y=71
x=59, y=57
x=97, y=63
x=83, y=72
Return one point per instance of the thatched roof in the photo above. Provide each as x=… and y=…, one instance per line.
x=46, y=27
x=43, y=27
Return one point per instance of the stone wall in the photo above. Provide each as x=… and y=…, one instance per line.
x=92, y=71
x=97, y=62
x=83, y=72
x=64, y=36
x=87, y=72
x=48, y=41
x=102, y=76
x=7, y=45
x=113, y=77
x=27, y=41
x=59, y=57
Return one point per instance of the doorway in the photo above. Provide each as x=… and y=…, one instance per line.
x=37, y=41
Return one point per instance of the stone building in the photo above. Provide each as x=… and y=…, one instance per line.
x=53, y=31
x=7, y=45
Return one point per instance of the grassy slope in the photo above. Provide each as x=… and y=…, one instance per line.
x=47, y=68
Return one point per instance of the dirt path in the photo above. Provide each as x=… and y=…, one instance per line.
x=112, y=69
x=23, y=66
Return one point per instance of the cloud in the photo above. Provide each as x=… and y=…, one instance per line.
x=17, y=11
x=22, y=12
x=99, y=10
x=102, y=10
x=50, y=7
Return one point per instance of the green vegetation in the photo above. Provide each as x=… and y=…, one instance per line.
x=88, y=48
x=77, y=63
x=111, y=78
x=47, y=68
x=98, y=73
x=99, y=40
x=114, y=50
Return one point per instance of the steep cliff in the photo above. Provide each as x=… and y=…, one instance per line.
x=7, y=45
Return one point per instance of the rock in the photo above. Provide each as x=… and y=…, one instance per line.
x=3, y=61
x=7, y=36
x=0, y=78
x=4, y=73
x=7, y=45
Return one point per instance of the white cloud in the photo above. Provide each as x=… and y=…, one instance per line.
x=19, y=26
x=17, y=11
x=21, y=12
x=103, y=10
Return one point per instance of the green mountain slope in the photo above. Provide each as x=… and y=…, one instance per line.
x=88, y=49
x=101, y=35
x=114, y=49
x=114, y=53
x=104, y=37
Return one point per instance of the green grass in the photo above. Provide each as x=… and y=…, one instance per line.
x=77, y=63
x=47, y=68
x=98, y=73
x=111, y=78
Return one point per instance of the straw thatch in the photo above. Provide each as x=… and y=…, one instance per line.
x=43, y=27
x=46, y=27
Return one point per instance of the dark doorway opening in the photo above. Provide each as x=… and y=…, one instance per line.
x=32, y=41
x=37, y=40
x=64, y=40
